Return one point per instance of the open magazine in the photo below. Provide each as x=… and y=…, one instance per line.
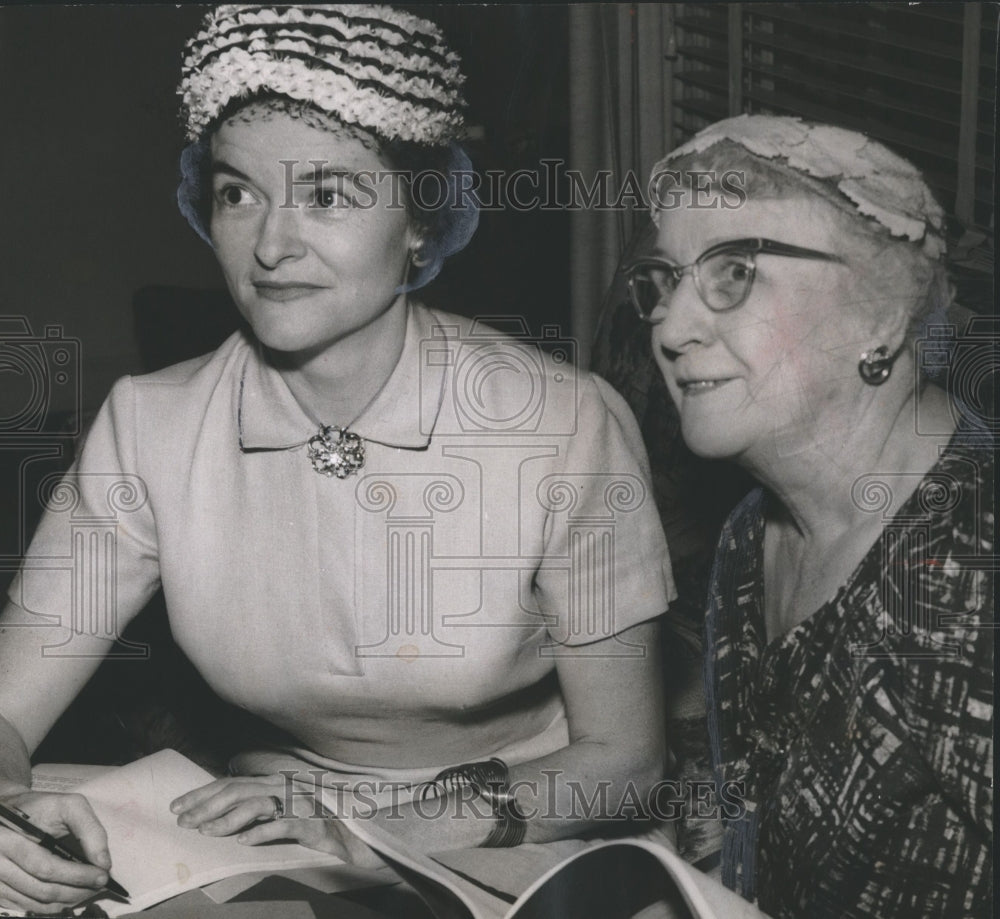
x=155, y=860
x=618, y=879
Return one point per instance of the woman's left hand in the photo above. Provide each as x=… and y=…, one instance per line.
x=250, y=806
x=228, y=805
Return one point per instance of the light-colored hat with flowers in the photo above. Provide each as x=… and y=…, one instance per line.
x=878, y=183
x=374, y=67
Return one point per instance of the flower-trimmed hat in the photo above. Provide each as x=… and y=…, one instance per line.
x=373, y=67
x=869, y=177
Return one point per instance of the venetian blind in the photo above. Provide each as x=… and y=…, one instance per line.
x=921, y=78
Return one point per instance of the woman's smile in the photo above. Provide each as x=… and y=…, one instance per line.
x=696, y=387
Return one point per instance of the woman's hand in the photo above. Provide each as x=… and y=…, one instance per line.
x=247, y=806
x=228, y=805
x=33, y=879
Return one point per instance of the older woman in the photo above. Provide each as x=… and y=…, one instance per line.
x=849, y=627
x=415, y=548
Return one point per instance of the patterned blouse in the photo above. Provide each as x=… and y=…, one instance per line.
x=863, y=736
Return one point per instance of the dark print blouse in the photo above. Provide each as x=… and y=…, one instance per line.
x=863, y=736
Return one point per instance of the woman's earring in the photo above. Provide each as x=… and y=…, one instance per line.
x=417, y=260
x=875, y=366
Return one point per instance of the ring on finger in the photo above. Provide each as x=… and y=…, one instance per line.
x=277, y=807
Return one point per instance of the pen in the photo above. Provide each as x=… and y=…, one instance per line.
x=17, y=821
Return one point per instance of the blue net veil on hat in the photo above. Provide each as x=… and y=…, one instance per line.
x=192, y=193
x=461, y=217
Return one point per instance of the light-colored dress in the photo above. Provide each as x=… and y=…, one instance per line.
x=387, y=624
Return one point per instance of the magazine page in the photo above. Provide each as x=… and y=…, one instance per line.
x=628, y=879
x=619, y=879
x=446, y=893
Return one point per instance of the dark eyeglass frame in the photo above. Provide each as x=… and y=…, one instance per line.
x=751, y=247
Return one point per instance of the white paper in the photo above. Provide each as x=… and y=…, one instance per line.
x=154, y=858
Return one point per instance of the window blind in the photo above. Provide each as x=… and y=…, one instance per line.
x=919, y=78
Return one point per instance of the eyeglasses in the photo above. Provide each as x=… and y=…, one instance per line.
x=723, y=274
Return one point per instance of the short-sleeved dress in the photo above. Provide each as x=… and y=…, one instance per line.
x=862, y=738
x=502, y=518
